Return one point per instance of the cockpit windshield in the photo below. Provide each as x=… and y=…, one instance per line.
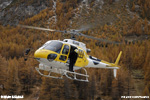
x=54, y=46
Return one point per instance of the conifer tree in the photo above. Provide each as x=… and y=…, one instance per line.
x=3, y=74
x=13, y=86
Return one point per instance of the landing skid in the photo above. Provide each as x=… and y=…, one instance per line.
x=74, y=75
x=62, y=72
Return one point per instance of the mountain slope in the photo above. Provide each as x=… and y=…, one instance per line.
x=17, y=10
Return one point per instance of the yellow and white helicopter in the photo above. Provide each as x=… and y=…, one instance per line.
x=55, y=57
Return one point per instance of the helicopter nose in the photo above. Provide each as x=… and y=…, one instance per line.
x=41, y=54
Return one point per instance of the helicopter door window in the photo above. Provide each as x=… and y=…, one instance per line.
x=63, y=58
x=80, y=53
x=65, y=50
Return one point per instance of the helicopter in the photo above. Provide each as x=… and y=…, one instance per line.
x=56, y=56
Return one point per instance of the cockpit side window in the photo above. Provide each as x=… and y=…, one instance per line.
x=65, y=50
x=54, y=46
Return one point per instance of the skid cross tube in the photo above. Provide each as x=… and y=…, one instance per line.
x=49, y=75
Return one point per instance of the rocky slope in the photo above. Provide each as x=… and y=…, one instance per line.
x=13, y=11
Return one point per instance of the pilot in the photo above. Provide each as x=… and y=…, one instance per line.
x=73, y=57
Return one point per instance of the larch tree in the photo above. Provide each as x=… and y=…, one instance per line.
x=3, y=74
x=13, y=86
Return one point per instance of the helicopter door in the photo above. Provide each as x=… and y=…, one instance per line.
x=64, y=54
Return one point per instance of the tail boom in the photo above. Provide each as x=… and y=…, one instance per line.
x=104, y=64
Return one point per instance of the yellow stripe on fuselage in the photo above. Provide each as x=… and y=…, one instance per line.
x=109, y=64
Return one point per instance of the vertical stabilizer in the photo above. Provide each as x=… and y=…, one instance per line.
x=116, y=63
x=118, y=58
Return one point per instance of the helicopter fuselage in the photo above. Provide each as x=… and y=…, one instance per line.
x=55, y=54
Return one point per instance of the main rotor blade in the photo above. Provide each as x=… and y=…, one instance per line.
x=39, y=28
x=73, y=32
x=99, y=39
